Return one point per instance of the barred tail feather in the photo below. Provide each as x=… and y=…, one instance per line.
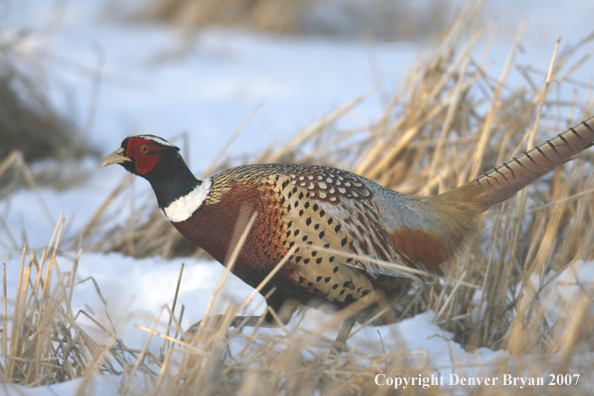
x=505, y=180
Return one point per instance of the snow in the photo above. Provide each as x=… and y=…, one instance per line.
x=150, y=87
x=564, y=290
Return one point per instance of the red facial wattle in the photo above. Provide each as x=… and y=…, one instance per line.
x=145, y=153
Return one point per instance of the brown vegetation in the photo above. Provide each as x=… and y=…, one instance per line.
x=381, y=18
x=31, y=129
x=449, y=122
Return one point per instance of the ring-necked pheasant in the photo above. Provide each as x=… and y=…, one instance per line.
x=321, y=207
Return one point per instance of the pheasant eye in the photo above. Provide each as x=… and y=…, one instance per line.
x=144, y=149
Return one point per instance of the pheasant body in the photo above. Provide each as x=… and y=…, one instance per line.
x=298, y=205
x=323, y=211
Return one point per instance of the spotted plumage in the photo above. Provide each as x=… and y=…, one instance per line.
x=339, y=223
x=296, y=205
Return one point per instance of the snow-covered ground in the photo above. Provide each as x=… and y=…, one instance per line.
x=207, y=90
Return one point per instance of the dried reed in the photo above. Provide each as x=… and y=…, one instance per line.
x=380, y=18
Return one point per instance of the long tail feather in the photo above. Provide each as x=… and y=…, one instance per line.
x=505, y=180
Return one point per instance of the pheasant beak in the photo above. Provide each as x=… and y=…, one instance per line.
x=117, y=157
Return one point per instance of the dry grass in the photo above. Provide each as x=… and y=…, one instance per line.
x=42, y=340
x=30, y=126
x=29, y=123
x=449, y=122
x=381, y=18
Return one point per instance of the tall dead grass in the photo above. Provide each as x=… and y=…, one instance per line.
x=42, y=340
x=31, y=127
x=29, y=123
x=448, y=122
x=381, y=18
